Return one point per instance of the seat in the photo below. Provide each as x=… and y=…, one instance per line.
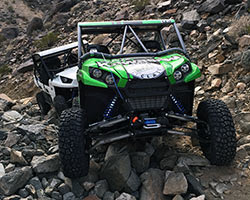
x=152, y=45
x=98, y=48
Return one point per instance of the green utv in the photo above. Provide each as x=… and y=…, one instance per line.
x=137, y=84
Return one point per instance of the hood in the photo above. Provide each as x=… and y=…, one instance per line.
x=148, y=68
x=69, y=73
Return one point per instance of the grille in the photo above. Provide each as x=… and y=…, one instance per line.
x=142, y=103
x=146, y=94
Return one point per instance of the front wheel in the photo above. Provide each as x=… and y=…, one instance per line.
x=43, y=105
x=73, y=143
x=217, y=138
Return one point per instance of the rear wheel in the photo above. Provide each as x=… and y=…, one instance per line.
x=43, y=105
x=218, y=138
x=73, y=143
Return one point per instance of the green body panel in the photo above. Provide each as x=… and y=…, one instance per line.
x=117, y=66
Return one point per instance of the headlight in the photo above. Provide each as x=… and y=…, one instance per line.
x=66, y=80
x=109, y=79
x=97, y=73
x=185, y=68
x=177, y=75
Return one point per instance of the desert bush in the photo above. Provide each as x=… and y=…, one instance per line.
x=240, y=27
x=2, y=38
x=47, y=41
x=4, y=69
x=140, y=4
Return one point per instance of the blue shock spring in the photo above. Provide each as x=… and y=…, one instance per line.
x=178, y=104
x=108, y=112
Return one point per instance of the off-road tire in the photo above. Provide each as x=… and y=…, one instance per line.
x=60, y=104
x=73, y=143
x=43, y=105
x=218, y=140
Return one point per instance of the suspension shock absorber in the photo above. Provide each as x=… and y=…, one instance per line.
x=108, y=112
x=178, y=104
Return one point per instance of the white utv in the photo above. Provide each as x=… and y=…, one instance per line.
x=55, y=74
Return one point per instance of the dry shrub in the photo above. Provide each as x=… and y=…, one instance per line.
x=140, y=4
x=240, y=27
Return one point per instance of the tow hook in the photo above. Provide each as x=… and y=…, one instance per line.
x=151, y=123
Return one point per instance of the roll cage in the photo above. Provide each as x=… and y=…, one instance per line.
x=46, y=62
x=124, y=28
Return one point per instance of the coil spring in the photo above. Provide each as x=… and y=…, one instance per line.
x=178, y=104
x=108, y=112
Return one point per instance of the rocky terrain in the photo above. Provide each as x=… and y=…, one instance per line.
x=217, y=35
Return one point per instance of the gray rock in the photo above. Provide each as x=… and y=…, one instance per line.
x=140, y=161
x=133, y=183
x=3, y=105
x=26, y=66
x=190, y=19
x=221, y=188
x=88, y=185
x=17, y=157
x=115, y=149
x=2, y=170
x=212, y=6
x=13, y=197
x=109, y=196
x=193, y=160
x=56, y=195
x=201, y=25
x=162, y=6
x=55, y=182
x=45, y=182
x=35, y=24
x=69, y=196
x=221, y=68
x=116, y=170
x=152, y=185
x=12, y=116
x=31, y=189
x=23, y=193
x=5, y=102
x=122, y=15
x=63, y=188
x=245, y=127
x=201, y=197
x=10, y=167
x=244, y=140
x=100, y=188
x=245, y=60
x=10, y=32
x=178, y=197
x=194, y=185
x=12, y=181
x=125, y=196
x=43, y=164
x=34, y=131
x=12, y=139
x=175, y=183
x=168, y=163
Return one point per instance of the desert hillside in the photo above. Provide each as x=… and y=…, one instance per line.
x=217, y=38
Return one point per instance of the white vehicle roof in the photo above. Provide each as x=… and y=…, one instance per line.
x=57, y=50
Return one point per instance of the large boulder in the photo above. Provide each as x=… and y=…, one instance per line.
x=12, y=181
x=45, y=164
x=10, y=32
x=212, y=6
x=35, y=24
x=175, y=183
x=152, y=185
x=190, y=19
x=116, y=170
x=245, y=59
